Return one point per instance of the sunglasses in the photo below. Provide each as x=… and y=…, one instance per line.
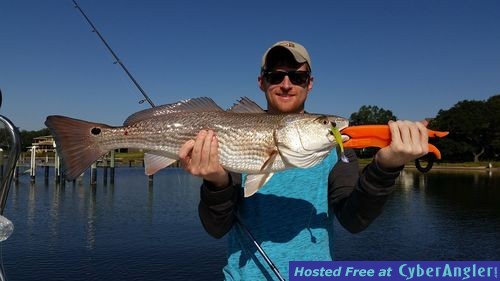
x=296, y=77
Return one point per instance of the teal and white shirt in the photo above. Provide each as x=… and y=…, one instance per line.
x=288, y=217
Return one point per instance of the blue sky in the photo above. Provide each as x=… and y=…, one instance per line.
x=411, y=57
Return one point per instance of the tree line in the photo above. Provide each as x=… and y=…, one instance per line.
x=28, y=136
x=474, y=128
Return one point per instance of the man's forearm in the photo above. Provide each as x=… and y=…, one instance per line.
x=358, y=199
x=217, y=208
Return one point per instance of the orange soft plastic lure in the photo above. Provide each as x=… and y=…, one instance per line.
x=380, y=136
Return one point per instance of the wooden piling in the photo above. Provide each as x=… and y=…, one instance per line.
x=105, y=173
x=93, y=174
x=112, y=167
x=46, y=174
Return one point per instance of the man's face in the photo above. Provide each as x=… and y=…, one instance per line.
x=287, y=95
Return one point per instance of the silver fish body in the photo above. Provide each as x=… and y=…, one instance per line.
x=253, y=143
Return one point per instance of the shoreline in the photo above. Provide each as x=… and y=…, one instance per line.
x=460, y=168
x=446, y=166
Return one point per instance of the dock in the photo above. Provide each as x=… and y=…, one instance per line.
x=43, y=153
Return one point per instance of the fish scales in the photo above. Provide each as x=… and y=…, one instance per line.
x=245, y=139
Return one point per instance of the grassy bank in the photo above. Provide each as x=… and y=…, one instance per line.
x=480, y=164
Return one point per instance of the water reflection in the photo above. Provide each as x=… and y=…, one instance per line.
x=54, y=211
x=441, y=215
x=91, y=218
x=409, y=180
x=31, y=207
x=78, y=232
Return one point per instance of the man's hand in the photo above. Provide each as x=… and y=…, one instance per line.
x=200, y=157
x=409, y=141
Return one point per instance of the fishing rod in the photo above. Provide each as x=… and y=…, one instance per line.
x=269, y=262
x=238, y=220
x=117, y=60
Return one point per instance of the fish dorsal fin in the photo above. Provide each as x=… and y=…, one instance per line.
x=254, y=182
x=155, y=161
x=246, y=105
x=189, y=105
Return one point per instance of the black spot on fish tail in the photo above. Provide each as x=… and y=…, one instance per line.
x=95, y=131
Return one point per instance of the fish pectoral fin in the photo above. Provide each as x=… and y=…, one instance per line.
x=270, y=160
x=153, y=162
x=254, y=182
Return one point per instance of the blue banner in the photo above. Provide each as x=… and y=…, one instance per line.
x=394, y=270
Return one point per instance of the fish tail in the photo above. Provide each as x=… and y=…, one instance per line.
x=77, y=143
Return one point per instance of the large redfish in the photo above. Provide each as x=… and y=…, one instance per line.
x=250, y=141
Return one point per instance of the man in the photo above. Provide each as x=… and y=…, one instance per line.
x=291, y=216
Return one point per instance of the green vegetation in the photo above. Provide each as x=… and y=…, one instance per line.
x=132, y=156
x=483, y=164
x=474, y=128
x=371, y=114
x=470, y=164
x=28, y=136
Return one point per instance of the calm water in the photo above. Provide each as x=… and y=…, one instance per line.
x=133, y=231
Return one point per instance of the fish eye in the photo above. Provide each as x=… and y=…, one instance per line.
x=324, y=121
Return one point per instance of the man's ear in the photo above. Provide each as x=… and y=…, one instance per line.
x=310, y=85
x=262, y=83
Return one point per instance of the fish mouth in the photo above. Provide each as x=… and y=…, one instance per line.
x=344, y=137
x=332, y=139
x=339, y=123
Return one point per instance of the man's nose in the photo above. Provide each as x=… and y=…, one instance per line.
x=286, y=83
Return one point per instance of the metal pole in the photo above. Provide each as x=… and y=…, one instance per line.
x=1, y=164
x=57, y=167
x=14, y=153
x=16, y=174
x=33, y=164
